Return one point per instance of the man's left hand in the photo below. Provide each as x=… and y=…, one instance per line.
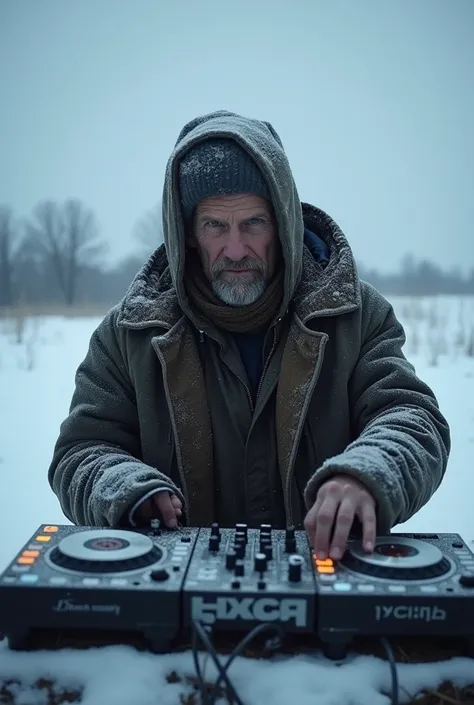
x=329, y=521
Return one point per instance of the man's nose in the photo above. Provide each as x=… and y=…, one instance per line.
x=236, y=248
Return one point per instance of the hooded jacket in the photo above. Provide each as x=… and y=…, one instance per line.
x=162, y=398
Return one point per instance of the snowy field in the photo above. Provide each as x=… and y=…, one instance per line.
x=38, y=359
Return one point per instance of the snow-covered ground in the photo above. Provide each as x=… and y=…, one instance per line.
x=38, y=359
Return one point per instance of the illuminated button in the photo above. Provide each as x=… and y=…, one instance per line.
x=42, y=539
x=28, y=553
x=323, y=561
x=30, y=578
x=342, y=587
x=325, y=569
x=22, y=560
x=396, y=588
x=327, y=578
x=118, y=581
x=91, y=581
x=50, y=529
x=366, y=588
x=57, y=580
x=429, y=588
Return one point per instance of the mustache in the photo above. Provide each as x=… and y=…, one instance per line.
x=246, y=263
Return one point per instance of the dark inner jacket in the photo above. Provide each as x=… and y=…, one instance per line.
x=164, y=399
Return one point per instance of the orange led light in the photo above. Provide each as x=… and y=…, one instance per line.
x=43, y=539
x=325, y=561
x=50, y=529
x=325, y=569
x=25, y=561
x=30, y=554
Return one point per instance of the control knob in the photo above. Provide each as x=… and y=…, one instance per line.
x=215, y=531
x=295, y=564
x=242, y=529
x=239, y=549
x=260, y=562
x=267, y=549
x=214, y=543
x=239, y=568
x=230, y=559
x=159, y=575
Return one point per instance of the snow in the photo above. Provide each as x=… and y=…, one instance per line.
x=36, y=383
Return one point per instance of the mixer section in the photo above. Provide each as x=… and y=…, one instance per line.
x=241, y=577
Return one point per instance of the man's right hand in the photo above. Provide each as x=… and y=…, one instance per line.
x=164, y=506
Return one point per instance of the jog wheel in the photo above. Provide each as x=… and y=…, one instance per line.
x=397, y=558
x=104, y=551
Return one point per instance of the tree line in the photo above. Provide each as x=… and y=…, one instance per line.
x=57, y=255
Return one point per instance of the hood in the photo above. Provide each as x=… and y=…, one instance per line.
x=261, y=141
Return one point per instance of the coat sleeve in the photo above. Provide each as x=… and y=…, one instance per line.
x=401, y=440
x=95, y=471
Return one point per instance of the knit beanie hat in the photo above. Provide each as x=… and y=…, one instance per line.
x=218, y=167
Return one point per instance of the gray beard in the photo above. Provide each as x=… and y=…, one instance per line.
x=239, y=293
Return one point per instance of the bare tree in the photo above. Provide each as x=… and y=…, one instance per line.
x=8, y=250
x=148, y=231
x=67, y=239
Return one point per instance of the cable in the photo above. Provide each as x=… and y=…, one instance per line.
x=393, y=669
x=200, y=631
x=271, y=644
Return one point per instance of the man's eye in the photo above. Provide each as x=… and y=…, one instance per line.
x=255, y=221
x=212, y=224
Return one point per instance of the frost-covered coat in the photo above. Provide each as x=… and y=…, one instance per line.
x=161, y=398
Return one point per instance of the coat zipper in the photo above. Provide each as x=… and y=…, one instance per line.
x=265, y=367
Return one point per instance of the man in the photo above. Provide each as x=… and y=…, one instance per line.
x=248, y=375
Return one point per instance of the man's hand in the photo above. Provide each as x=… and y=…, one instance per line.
x=338, y=502
x=164, y=506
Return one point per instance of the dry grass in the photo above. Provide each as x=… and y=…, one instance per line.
x=22, y=312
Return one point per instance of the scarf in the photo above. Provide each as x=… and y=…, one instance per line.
x=235, y=319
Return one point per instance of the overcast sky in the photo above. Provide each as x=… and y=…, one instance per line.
x=374, y=101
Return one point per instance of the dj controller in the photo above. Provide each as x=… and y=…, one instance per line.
x=158, y=582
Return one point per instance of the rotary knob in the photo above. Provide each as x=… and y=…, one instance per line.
x=242, y=529
x=215, y=531
x=260, y=562
x=290, y=545
x=230, y=559
x=241, y=536
x=214, y=543
x=267, y=549
x=239, y=569
x=295, y=565
x=159, y=575
x=239, y=549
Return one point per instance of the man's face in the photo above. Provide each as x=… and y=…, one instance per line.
x=238, y=246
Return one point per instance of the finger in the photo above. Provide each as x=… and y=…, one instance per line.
x=168, y=513
x=368, y=519
x=176, y=502
x=310, y=520
x=324, y=524
x=344, y=520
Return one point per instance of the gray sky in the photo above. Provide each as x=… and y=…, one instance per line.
x=374, y=101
